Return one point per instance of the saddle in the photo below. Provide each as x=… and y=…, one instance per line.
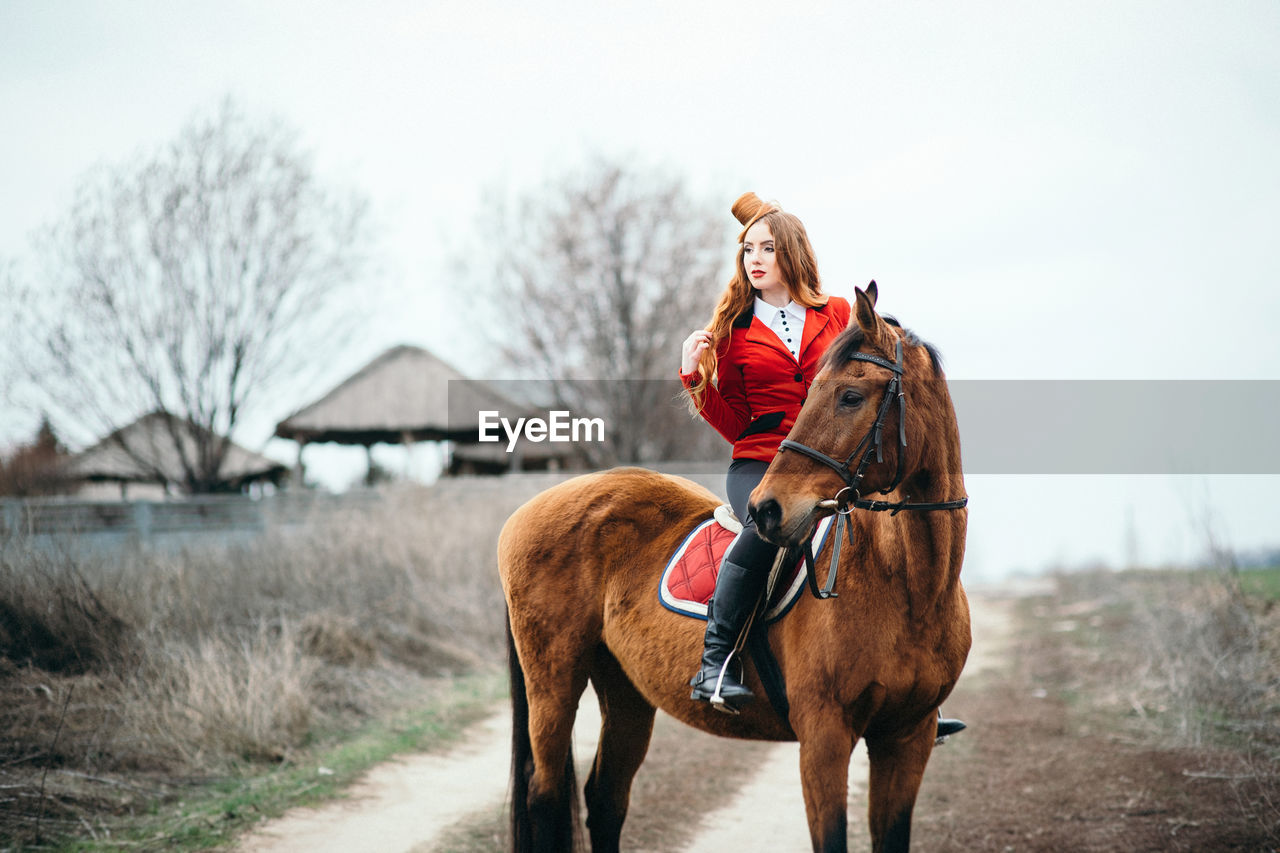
x=689, y=578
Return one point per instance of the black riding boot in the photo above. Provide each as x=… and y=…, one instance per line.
x=737, y=593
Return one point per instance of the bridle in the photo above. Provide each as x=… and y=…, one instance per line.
x=849, y=497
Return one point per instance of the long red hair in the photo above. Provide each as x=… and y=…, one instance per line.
x=796, y=266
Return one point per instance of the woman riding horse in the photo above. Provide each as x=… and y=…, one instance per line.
x=763, y=345
x=870, y=658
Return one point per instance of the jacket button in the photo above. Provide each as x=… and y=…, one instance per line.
x=799, y=377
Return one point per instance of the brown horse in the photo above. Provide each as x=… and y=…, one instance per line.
x=580, y=565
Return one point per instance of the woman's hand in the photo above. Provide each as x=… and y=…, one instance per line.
x=691, y=353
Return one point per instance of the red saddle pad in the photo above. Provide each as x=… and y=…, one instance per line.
x=689, y=578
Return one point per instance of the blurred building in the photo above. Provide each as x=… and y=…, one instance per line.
x=146, y=460
x=408, y=395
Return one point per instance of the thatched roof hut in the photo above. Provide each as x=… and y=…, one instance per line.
x=404, y=395
x=408, y=395
x=144, y=452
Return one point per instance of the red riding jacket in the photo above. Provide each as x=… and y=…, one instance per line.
x=760, y=386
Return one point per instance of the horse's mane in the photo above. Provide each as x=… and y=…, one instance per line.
x=852, y=338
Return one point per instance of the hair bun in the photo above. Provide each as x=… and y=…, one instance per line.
x=749, y=207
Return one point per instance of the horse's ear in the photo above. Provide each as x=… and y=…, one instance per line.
x=873, y=292
x=865, y=313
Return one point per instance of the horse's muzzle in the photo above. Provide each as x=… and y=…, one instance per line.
x=774, y=527
x=768, y=518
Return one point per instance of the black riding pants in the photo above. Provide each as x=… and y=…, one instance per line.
x=748, y=551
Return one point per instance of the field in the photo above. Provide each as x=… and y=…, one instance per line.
x=141, y=685
x=1137, y=711
x=169, y=700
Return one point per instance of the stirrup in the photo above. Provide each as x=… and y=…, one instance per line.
x=716, y=699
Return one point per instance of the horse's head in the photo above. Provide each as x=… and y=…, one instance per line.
x=878, y=418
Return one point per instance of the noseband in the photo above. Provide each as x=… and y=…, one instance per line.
x=849, y=498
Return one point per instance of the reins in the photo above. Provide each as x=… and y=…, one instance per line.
x=849, y=498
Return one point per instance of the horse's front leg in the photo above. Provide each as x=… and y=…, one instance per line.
x=825, y=746
x=897, y=766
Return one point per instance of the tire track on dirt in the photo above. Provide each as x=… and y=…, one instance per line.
x=768, y=812
x=403, y=804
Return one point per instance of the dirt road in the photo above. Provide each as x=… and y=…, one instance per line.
x=775, y=789
x=404, y=805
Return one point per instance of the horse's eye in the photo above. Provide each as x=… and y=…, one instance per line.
x=850, y=399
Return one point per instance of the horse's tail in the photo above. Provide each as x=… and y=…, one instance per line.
x=562, y=821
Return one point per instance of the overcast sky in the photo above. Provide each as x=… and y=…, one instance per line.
x=1082, y=190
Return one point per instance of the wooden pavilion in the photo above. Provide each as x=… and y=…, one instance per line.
x=408, y=395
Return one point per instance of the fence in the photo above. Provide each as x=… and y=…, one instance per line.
x=95, y=523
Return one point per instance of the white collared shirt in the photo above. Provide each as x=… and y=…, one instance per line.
x=786, y=322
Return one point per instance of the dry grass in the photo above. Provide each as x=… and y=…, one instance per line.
x=1189, y=656
x=139, y=668
x=1137, y=712
x=1184, y=663
x=206, y=702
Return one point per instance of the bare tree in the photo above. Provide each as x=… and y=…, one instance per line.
x=598, y=278
x=190, y=281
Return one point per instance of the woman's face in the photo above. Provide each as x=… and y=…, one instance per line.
x=759, y=261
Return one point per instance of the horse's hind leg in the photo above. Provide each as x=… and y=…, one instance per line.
x=545, y=702
x=627, y=724
x=897, y=766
